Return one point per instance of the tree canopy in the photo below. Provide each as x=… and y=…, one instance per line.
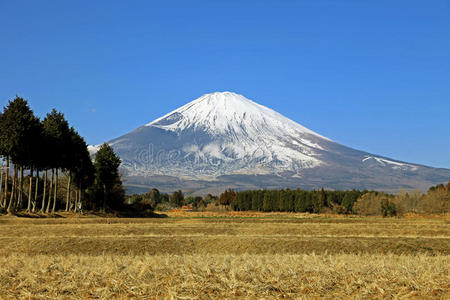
x=107, y=175
x=53, y=145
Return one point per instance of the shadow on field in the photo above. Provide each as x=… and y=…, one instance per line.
x=128, y=214
x=36, y=215
x=108, y=214
x=141, y=215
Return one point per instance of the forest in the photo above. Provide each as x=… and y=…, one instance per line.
x=436, y=200
x=51, y=166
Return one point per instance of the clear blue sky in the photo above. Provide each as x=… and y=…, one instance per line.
x=372, y=75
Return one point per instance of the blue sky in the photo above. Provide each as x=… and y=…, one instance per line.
x=372, y=75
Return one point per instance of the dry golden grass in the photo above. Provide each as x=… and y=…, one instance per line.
x=224, y=276
x=221, y=255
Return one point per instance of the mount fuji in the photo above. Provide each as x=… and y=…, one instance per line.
x=224, y=140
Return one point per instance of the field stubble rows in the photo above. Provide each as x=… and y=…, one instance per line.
x=224, y=257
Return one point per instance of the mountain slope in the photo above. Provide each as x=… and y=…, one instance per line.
x=225, y=140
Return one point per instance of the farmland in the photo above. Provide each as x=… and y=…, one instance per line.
x=233, y=255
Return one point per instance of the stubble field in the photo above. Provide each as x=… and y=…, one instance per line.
x=191, y=255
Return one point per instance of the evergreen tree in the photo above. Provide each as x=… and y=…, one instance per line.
x=154, y=197
x=57, y=134
x=19, y=128
x=267, y=202
x=4, y=191
x=107, y=177
x=198, y=203
x=81, y=171
x=177, y=198
x=348, y=202
x=34, y=160
x=319, y=201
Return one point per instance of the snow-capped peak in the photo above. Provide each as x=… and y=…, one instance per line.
x=224, y=138
x=228, y=112
x=242, y=135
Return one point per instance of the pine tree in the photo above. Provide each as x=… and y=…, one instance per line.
x=267, y=202
x=19, y=129
x=107, y=176
x=76, y=148
x=154, y=197
x=348, y=201
x=177, y=198
x=3, y=192
x=319, y=201
x=57, y=133
x=82, y=169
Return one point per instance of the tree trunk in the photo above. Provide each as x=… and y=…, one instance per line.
x=45, y=190
x=80, y=193
x=16, y=187
x=69, y=181
x=5, y=199
x=30, y=187
x=55, y=191
x=75, y=207
x=36, y=191
x=77, y=197
x=104, y=197
x=1, y=186
x=13, y=188
x=50, y=191
x=74, y=196
x=20, y=189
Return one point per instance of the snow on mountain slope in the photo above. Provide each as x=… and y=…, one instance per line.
x=226, y=138
x=236, y=135
x=228, y=113
x=241, y=128
x=386, y=162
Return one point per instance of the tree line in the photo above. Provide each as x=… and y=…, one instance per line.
x=254, y=200
x=435, y=201
x=291, y=200
x=37, y=152
x=156, y=200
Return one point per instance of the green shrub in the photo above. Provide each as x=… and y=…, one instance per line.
x=388, y=209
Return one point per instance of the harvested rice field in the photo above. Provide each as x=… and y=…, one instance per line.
x=194, y=255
